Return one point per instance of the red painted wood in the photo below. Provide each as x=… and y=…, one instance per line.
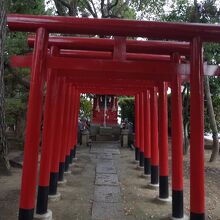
x=58, y=138
x=98, y=114
x=147, y=125
x=48, y=125
x=137, y=121
x=177, y=132
x=197, y=182
x=106, y=44
x=154, y=127
x=65, y=122
x=32, y=134
x=163, y=129
x=141, y=131
x=183, y=69
x=116, y=27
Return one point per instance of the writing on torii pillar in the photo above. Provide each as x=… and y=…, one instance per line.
x=105, y=110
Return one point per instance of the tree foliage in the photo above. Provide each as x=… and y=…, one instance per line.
x=127, y=108
x=132, y=9
x=205, y=11
x=17, y=80
x=3, y=140
x=85, y=107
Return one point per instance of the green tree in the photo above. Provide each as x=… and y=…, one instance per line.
x=14, y=82
x=85, y=107
x=127, y=108
x=132, y=9
x=3, y=142
x=205, y=11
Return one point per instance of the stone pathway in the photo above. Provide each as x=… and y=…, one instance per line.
x=107, y=204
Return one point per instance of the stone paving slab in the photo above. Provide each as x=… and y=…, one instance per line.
x=107, y=204
x=100, y=150
x=107, y=194
x=107, y=211
x=106, y=179
x=96, y=150
x=104, y=156
x=105, y=167
x=112, y=151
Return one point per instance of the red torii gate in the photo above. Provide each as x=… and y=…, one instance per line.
x=146, y=154
x=190, y=32
x=154, y=178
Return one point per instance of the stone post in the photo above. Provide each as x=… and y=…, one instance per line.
x=124, y=135
x=85, y=137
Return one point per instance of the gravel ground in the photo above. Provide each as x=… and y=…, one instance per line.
x=139, y=202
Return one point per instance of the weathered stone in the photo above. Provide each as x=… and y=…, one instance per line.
x=106, y=179
x=107, y=211
x=97, y=150
x=112, y=151
x=105, y=167
x=107, y=194
x=105, y=131
x=105, y=156
x=85, y=137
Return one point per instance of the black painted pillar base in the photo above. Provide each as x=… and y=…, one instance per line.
x=71, y=155
x=67, y=162
x=147, y=166
x=137, y=154
x=26, y=214
x=197, y=216
x=53, y=183
x=154, y=174
x=163, y=187
x=141, y=159
x=42, y=200
x=177, y=204
x=61, y=171
x=74, y=152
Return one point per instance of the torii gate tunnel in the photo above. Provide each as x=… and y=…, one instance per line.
x=144, y=69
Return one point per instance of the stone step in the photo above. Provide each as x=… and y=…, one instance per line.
x=104, y=137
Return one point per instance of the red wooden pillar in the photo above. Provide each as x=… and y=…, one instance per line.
x=147, y=134
x=47, y=137
x=197, y=191
x=63, y=135
x=32, y=138
x=68, y=130
x=137, y=144
x=154, y=137
x=72, y=131
x=177, y=144
x=141, y=127
x=77, y=115
x=76, y=112
x=57, y=139
x=163, y=143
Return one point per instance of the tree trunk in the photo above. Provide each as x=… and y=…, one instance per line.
x=18, y=129
x=215, y=145
x=185, y=100
x=186, y=138
x=3, y=143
